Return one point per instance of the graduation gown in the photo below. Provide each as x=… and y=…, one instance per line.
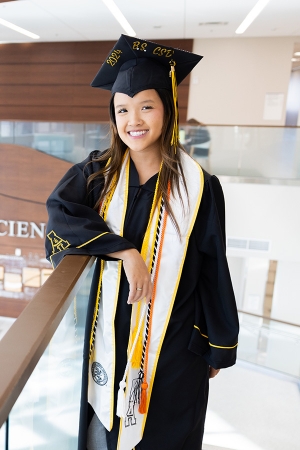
x=203, y=327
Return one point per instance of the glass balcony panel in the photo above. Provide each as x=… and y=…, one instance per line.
x=97, y=137
x=23, y=133
x=260, y=152
x=46, y=415
x=5, y=324
x=271, y=344
x=6, y=132
x=61, y=140
x=2, y=437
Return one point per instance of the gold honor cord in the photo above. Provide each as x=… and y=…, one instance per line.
x=103, y=210
x=137, y=355
x=96, y=310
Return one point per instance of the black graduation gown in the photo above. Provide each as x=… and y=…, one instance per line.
x=203, y=326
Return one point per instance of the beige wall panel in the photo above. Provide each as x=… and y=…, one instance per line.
x=229, y=85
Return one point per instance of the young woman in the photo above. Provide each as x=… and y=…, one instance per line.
x=162, y=317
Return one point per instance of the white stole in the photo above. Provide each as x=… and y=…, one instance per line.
x=102, y=363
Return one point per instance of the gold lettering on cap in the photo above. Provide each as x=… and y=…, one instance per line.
x=166, y=52
x=113, y=57
x=138, y=46
x=169, y=53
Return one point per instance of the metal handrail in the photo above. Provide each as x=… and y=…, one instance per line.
x=268, y=318
x=26, y=340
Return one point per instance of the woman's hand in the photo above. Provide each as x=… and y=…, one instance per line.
x=213, y=372
x=137, y=274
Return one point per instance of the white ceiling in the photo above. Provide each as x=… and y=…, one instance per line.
x=90, y=20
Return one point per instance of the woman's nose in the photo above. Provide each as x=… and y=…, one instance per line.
x=135, y=119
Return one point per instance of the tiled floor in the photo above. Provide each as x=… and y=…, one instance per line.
x=253, y=409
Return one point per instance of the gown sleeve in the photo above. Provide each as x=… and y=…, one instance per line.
x=74, y=227
x=218, y=324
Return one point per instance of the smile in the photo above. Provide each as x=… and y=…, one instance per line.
x=137, y=133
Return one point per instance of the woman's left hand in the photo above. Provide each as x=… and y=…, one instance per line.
x=138, y=276
x=213, y=372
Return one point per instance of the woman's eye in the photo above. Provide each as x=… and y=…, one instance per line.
x=147, y=107
x=122, y=110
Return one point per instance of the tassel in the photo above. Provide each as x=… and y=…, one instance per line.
x=121, y=399
x=175, y=133
x=143, y=403
x=137, y=355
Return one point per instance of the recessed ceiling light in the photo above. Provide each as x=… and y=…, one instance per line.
x=251, y=16
x=295, y=59
x=14, y=27
x=118, y=15
x=297, y=54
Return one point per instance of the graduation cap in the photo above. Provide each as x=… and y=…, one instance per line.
x=134, y=65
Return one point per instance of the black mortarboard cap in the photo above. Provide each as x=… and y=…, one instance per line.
x=134, y=65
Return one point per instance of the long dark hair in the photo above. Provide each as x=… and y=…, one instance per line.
x=171, y=170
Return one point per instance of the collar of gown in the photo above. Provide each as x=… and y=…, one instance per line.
x=135, y=182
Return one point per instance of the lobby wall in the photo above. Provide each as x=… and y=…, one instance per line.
x=230, y=84
x=265, y=213
x=27, y=177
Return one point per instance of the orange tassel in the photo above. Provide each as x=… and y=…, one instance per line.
x=143, y=403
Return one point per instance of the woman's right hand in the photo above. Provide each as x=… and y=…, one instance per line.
x=140, y=285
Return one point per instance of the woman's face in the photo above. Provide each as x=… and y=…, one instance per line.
x=139, y=120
